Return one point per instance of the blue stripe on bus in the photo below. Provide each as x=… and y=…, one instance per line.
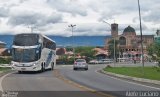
x=49, y=58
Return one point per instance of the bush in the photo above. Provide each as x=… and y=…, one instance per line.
x=5, y=60
x=156, y=68
x=70, y=61
x=108, y=66
x=158, y=64
x=65, y=60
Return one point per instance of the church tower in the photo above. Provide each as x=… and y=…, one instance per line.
x=114, y=30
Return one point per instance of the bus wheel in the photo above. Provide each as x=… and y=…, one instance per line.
x=52, y=66
x=42, y=68
x=19, y=72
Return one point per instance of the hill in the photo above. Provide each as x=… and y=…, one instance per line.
x=66, y=41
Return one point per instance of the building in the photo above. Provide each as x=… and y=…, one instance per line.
x=128, y=41
x=101, y=53
x=2, y=48
x=2, y=44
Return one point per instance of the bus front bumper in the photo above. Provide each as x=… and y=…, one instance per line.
x=33, y=67
x=25, y=68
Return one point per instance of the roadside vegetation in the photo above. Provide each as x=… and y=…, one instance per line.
x=111, y=48
x=64, y=59
x=149, y=72
x=5, y=60
x=4, y=69
x=154, y=52
x=86, y=53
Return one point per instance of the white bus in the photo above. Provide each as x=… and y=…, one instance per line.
x=33, y=52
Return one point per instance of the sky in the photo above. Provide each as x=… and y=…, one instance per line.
x=52, y=17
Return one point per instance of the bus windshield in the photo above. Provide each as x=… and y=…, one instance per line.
x=26, y=39
x=24, y=55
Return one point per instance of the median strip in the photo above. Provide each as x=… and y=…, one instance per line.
x=131, y=73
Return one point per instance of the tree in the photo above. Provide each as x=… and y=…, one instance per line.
x=64, y=59
x=150, y=50
x=85, y=51
x=69, y=49
x=154, y=51
x=111, y=48
x=88, y=52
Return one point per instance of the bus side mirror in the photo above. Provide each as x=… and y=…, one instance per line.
x=37, y=51
x=9, y=51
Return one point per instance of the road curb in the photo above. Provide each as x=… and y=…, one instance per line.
x=5, y=72
x=156, y=82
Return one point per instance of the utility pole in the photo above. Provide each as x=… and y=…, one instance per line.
x=141, y=37
x=32, y=28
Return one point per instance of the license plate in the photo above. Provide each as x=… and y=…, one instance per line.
x=23, y=68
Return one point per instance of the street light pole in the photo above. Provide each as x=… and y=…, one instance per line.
x=113, y=43
x=72, y=26
x=32, y=28
x=141, y=36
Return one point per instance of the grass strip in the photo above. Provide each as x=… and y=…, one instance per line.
x=149, y=72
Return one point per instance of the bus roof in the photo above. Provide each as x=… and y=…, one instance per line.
x=38, y=34
x=48, y=38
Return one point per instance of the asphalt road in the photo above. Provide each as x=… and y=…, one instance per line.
x=104, y=83
x=50, y=84
x=46, y=84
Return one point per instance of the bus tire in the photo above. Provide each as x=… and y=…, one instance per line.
x=42, y=67
x=52, y=66
x=19, y=72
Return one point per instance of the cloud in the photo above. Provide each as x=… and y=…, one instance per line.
x=22, y=1
x=89, y=29
x=152, y=16
x=109, y=9
x=112, y=10
x=4, y=12
x=68, y=6
x=54, y=16
x=32, y=18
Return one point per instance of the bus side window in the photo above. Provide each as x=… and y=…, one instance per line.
x=44, y=44
x=48, y=45
x=54, y=46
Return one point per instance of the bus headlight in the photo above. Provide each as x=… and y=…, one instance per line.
x=12, y=64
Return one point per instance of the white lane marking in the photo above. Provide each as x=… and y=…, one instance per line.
x=130, y=82
x=1, y=79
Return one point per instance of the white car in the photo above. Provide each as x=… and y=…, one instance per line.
x=93, y=62
x=105, y=61
x=80, y=64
